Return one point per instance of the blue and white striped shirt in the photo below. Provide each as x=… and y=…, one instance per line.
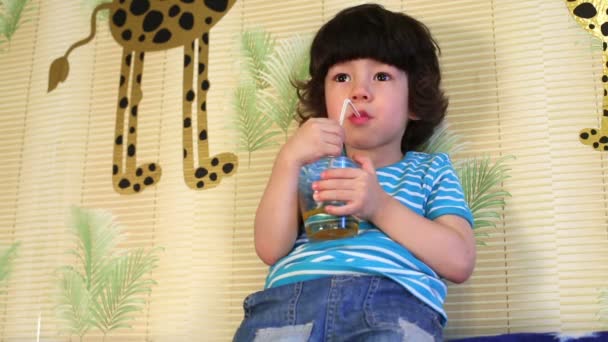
x=425, y=183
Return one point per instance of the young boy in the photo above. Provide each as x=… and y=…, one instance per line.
x=385, y=284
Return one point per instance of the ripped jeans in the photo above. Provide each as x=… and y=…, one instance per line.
x=338, y=308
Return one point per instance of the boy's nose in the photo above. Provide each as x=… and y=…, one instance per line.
x=360, y=93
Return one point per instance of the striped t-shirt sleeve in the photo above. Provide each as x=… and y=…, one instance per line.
x=446, y=196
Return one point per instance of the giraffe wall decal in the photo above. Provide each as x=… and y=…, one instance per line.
x=593, y=17
x=142, y=26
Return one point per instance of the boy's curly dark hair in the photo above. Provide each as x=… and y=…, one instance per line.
x=370, y=31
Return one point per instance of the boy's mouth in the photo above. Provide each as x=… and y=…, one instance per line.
x=359, y=120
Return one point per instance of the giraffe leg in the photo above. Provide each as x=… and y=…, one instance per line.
x=598, y=137
x=127, y=177
x=210, y=169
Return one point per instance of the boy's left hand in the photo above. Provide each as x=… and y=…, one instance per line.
x=358, y=188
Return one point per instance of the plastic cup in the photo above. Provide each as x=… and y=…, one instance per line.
x=318, y=224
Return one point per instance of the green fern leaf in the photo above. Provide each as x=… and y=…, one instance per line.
x=7, y=256
x=74, y=302
x=443, y=141
x=97, y=234
x=256, y=46
x=287, y=64
x=250, y=122
x=124, y=284
x=481, y=185
x=12, y=9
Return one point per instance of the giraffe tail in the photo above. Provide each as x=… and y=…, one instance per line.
x=58, y=72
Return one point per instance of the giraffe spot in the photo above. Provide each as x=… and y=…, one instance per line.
x=126, y=35
x=206, y=38
x=152, y=167
x=604, y=28
x=205, y=85
x=605, y=112
x=604, y=46
x=203, y=135
x=215, y=161
x=591, y=26
x=200, y=172
x=149, y=181
x=162, y=36
x=190, y=96
x=200, y=184
x=186, y=21
x=187, y=60
x=596, y=145
x=152, y=21
x=584, y=10
x=606, y=91
x=606, y=148
x=217, y=5
x=124, y=183
x=139, y=7
x=131, y=150
x=208, y=20
x=138, y=78
x=132, y=130
x=227, y=168
x=139, y=172
x=604, y=139
x=136, y=187
x=204, y=106
x=114, y=169
x=187, y=1
x=118, y=140
x=213, y=176
x=119, y=18
x=593, y=132
x=584, y=136
x=134, y=111
x=122, y=1
x=122, y=80
x=174, y=10
x=185, y=153
x=187, y=122
x=142, y=37
x=201, y=68
x=604, y=78
x=128, y=60
x=124, y=102
x=141, y=56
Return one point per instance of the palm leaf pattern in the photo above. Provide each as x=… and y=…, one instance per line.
x=481, y=179
x=287, y=64
x=106, y=286
x=265, y=95
x=7, y=255
x=10, y=17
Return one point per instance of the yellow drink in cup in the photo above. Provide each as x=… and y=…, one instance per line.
x=318, y=224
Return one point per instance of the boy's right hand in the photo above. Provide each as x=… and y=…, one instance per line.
x=316, y=138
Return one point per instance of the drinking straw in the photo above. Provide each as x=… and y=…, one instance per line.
x=345, y=104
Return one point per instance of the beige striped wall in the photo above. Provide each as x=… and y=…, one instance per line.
x=522, y=78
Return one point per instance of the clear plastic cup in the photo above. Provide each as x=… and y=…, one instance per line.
x=318, y=224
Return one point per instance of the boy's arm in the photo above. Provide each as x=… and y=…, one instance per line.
x=446, y=244
x=276, y=219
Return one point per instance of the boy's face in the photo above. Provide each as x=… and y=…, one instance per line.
x=380, y=93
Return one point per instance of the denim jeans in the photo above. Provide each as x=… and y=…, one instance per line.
x=338, y=308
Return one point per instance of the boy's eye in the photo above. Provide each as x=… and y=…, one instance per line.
x=341, y=78
x=382, y=76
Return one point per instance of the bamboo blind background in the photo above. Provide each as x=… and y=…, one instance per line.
x=522, y=78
